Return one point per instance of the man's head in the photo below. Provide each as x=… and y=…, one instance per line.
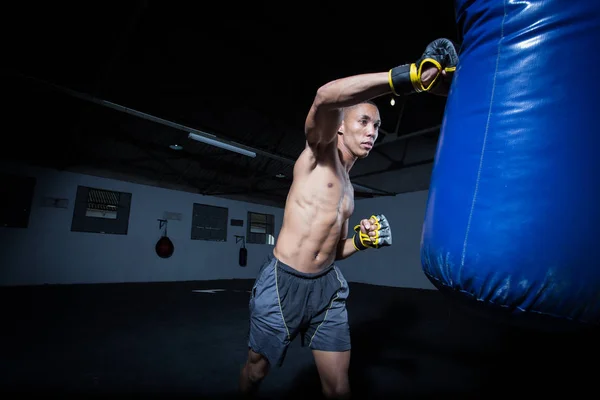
x=359, y=129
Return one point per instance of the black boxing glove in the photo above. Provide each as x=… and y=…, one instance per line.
x=382, y=238
x=443, y=53
x=406, y=79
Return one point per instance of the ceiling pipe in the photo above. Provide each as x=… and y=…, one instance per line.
x=209, y=137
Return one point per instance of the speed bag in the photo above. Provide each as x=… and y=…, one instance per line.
x=164, y=247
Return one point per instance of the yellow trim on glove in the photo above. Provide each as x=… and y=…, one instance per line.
x=358, y=236
x=421, y=87
x=415, y=77
x=375, y=239
x=362, y=238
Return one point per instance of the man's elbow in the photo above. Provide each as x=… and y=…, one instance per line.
x=326, y=97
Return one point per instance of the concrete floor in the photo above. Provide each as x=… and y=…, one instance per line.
x=168, y=340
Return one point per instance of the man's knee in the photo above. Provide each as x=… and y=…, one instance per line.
x=256, y=373
x=337, y=390
x=333, y=369
x=257, y=367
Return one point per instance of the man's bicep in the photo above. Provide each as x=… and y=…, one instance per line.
x=321, y=124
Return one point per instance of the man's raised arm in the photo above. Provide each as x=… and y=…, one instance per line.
x=325, y=114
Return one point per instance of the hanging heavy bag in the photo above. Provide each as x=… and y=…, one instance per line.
x=243, y=256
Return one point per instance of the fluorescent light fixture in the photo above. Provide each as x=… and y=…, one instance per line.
x=221, y=144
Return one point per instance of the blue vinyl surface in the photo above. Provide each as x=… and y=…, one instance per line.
x=513, y=216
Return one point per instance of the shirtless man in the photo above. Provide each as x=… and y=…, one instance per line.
x=300, y=290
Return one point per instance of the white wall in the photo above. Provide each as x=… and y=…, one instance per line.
x=400, y=264
x=47, y=252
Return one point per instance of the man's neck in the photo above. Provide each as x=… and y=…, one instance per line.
x=347, y=159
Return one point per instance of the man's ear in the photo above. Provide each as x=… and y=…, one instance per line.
x=341, y=129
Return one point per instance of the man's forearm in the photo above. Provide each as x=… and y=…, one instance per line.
x=345, y=249
x=347, y=91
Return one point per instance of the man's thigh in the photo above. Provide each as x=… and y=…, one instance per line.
x=268, y=333
x=330, y=330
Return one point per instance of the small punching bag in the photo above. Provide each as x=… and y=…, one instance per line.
x=513, y=215
x=164, y=247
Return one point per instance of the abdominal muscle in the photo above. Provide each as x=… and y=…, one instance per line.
x=319, y=202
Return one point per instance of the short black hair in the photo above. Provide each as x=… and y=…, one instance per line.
x=364, y=102
x=369, y=102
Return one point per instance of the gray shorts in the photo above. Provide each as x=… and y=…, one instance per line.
x=285, y=303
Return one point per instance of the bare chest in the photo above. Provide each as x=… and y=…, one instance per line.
x=334, y=192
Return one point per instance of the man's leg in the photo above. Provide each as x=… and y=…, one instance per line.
x=329, y=335
x=333, y=371
x=254, y=371
x=268, y=336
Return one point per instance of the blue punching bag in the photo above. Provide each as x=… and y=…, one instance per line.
x=513, y=214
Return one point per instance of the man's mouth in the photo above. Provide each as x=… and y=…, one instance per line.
x=367, y=145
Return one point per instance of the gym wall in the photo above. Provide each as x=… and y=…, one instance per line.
x=47, y=251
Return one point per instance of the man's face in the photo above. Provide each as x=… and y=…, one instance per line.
x=360, y=129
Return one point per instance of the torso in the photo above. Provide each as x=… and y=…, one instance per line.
x=320, y=200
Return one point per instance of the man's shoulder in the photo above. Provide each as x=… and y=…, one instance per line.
x=325, y=152
x=311, y=159
x=306, y=160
